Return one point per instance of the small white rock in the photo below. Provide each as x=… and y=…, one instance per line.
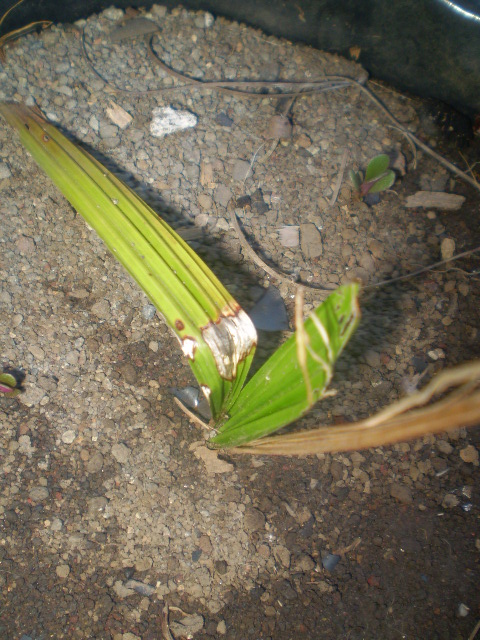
x=436, y=354
x=62, y=570
x=113, y=14
x=167, y=120
x=69, y=436
x=289, y=236
x=4, y=171
x=447, y=248
x=469, y=455
x=209, y=20
x=450, y=501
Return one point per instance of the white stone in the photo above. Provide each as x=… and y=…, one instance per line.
x=167, y=120
x=68, y=436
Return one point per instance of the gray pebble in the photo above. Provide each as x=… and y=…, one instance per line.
x=37, y=494
x=253, y=520
x=444, y=447
x=4, y=171
x=95, y=463
x=450, y=501
x=303, y=563
x=129, y=373
x=336, y=469
x=310, y=241
x=62, y=570
x=121, y=590
x=120, y=452
x=372, y=358
x=223, y=195
x=241, y=169
x=187, y=626
x=401, y=493
x=68, y=436
x=140, y=587
x=101, y=309
x=97, y=505
x=148, y=311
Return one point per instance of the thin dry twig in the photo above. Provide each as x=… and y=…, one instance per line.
x=165, y=625
x=475, y=631
x=343, y=164
x=464, y=254
x=351, y=547
x=263, y=265
x=470, y=168
x=410, y=135
x=252, y=162
x=302, y=341
x=240, y=88
x=410, y=142
x=253, y=256
x=193, y=417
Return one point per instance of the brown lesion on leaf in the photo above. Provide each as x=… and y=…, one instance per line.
x=231, y=339
x=179, y=325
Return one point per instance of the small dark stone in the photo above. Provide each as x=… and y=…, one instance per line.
x=257, y=592
x=287, y=591
x=11, y=516
x=419, y=363
x=129, y=572
x=221, y=567
x=260, y=207
x=243, y=201
x=196, y=555
x=223, y=120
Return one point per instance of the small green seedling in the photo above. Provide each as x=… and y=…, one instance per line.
x=378, y=177
x=11, y=382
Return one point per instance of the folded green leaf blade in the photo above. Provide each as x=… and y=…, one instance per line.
x=377, y=166
x=215, y=334
x=277, y=394
x=383, y=183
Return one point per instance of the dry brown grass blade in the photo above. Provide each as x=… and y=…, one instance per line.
x=18, y=33
x=9, y=11
x=401, y=421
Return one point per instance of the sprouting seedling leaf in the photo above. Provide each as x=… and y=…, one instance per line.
x=377, y=177
x=356, y=179
x=376, y=167
x=10, y=384
x=383, y=183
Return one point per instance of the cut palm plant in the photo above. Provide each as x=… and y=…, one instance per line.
x=215, y=334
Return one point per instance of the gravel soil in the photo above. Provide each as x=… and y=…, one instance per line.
x=107, y=509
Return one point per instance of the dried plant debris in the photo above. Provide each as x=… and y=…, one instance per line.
x=136, y=28
x=435, y=200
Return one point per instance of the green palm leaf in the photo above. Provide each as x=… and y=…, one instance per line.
x=215, y=334
x=283, y=390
